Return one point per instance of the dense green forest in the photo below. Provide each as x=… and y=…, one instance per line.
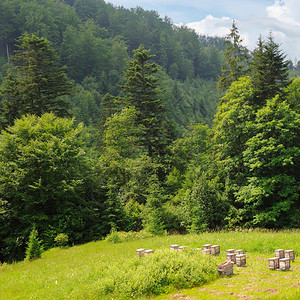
x=116, y=119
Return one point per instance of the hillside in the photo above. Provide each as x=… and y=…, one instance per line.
x=82, y=271
x=94, y=38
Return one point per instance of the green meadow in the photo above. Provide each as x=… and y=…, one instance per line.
x=110, y=269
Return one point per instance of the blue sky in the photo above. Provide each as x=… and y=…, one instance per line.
x=214, y=17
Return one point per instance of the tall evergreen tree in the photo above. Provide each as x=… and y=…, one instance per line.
x=36, y=83
x=236, y=59
x=269, y=70
x=142, y=91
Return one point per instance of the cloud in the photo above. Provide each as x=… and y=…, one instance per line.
x=282, y=18
x=212, y=26
x=253, y=17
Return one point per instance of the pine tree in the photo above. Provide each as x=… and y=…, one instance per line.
x=236, y=59
x=142, y=91
x=269, y=70
x=36, y=83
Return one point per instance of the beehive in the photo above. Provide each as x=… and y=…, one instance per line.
x=273, y=263
x=147, y=252
x=180, y=248
x=225, y=268
x=140, y=252
x=279, y=253
x=207, y=251
x=174, y=247
x=206, y=246
x=240, y=251
x=215, y=250
x=289, y=254
x=240, y=260
x=284, y=264
x=230, y=251
x=231, y=257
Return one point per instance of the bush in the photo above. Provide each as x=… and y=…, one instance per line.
x=157, y=273
x=122, y=236
x=61, y=240
x=34, y=248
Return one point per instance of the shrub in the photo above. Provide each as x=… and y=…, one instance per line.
x=61, y=240
x=157, y=273
x=113, y=237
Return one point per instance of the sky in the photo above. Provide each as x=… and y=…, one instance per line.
x=214, y=18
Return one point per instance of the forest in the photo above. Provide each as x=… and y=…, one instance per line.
x=115, y=119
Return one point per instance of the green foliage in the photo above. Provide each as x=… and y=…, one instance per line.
x=292, y=93
x=269, y=70
x=61, y=240
x=157, y=274
x=37, y=84
x=143, y=93
x=123, y=236
x=34, y=247
x=272, y=155
x=236, y=59
x=47, y=178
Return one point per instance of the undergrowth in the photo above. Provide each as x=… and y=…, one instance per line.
x=157, y=273
x=122, y=236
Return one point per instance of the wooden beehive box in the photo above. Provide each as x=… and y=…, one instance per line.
x=279, y=253
x=228, y=251
x=273, y=263
x=147, y=252
x=225, y=268
x=284, y=264
x=289, y=254
x=140, y=252
x=215, y=250
x=180, y=248
x=206, y=246
x=231, y=257
x=240, y=251
x=207, y=251
x=174, y=247
x=241, y=260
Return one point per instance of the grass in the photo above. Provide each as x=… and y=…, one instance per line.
x=102, y=270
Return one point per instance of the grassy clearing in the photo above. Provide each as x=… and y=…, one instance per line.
x=101, y=270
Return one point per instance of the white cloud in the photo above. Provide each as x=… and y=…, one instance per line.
x=253, y=17
x=212, y=26
x=282, y=18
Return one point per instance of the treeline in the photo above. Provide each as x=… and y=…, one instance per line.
x=81, y=161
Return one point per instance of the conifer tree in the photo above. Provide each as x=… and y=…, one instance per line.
x=236, y=59
x=142, y=91
x=34, y=247
x=35, y=84
x=269, y=70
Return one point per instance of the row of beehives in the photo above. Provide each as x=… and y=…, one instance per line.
x=282, y=260
x=236, y=256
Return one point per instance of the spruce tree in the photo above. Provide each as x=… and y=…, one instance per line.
x=34, y=247
x=36, y=83
x=142, y=91
x=236, y=59
x=269, y=70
